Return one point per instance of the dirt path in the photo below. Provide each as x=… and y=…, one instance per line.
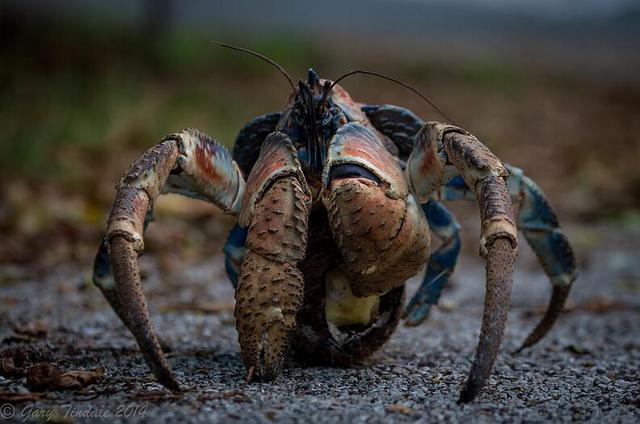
x=586, y=370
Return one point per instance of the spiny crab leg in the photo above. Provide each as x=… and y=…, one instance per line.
x=442, y=151
x=189, y=163
x=270, y=291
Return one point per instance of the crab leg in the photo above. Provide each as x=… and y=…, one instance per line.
x=189, y=163
x=270, y=290
x=441, y=262
x=440, y=152
x=541, y=229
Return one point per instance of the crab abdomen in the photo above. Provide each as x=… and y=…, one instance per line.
x=324, y=336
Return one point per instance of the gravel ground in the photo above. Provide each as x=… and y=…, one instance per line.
x=586, y=370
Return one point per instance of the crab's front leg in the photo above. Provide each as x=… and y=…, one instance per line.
x=189, y=163
x=441, y=152
x=275, y=208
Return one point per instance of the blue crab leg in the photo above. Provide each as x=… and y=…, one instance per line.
x=441, y=262
x=540, y=227
x=537, y=222
x=189, y=163
x=234, y=252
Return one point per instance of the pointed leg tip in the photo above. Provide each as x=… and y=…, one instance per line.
x=165, y=377
x=249, y=377
x=416, y=316
x=410, y=321
x=171, y=383
x=467, y=395
x=519, y=350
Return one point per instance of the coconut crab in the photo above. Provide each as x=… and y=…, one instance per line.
x=334, y=201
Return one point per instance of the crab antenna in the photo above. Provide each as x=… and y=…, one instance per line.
x=379, y=75
x=263, y=57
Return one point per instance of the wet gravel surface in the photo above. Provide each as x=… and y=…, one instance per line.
x=586, y=370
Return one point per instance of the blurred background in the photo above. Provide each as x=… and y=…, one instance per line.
x=551, y=86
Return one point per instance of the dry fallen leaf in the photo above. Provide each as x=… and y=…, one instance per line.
x=86, y=377
x=13, y=397
x=8, y=368
x=602, y=304
x=44, y=376
x=35, y=329
x=399, y=408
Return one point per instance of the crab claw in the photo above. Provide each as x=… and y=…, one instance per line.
x=268, y=299
x=270, y=289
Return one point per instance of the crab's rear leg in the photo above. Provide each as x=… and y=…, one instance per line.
x=537, y=222
x=540, y=227
x=189, y=163
x=270, y=290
